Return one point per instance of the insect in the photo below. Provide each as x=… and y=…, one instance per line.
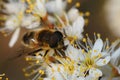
x=45, y=39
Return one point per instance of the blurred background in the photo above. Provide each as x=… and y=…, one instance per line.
x=102, y=19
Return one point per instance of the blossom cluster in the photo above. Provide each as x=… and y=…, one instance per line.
x=82, y=58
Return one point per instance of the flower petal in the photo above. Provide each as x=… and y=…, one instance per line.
x=73, y=53
x=79, y=24
x=73, y=14
x=81, y=78
x=115, y=57
x=41, y=7
x=95, y=72
x=97, y=47
x=14, y=37
x=46, y=79
x=102, y=62
x=56, y=6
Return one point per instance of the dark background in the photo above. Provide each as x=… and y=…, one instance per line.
x=13, y=67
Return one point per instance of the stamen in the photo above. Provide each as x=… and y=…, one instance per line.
x=95, y=36
x=87, y=13
x=77, y=4
x=89, y=42
x=69, y=1
x=60, y=20
x=98, y=35
x=82, y=46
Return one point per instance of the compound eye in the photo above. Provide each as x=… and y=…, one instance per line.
x=55, y=39
x=58, y=34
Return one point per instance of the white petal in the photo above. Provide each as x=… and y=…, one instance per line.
x=41, y=7
x=46, y=79
x=95, y=72
x=14, y=7
x=14, y=37
x=73, y=53
x=30, y=22
x=102, y=62
x=50, y=6
x=58, y=76
x=12, y=22
x=89, y=77
x=81, y=78
x=33, y=25
x=78, y=27
x=56, y=7
x=97, y=47
x=51, y=19
x=115, y=57
x=73, y=14
x=79, y=24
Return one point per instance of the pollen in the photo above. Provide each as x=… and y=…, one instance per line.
x=87, y=13
x=28, y=11
x=37, y=61
x=26, y=74
x=53, y=78
x=83, y=51
x=84, y=40
x=69, y=1
x=104, y=61
x=23, y=70
x=0, y=78
x=81, y=13
x=22, y=1
x=77, y=4
x=107, y=47
x=53, y=70
x=98, y=35
x=58, y=69
x=27, y=59
x=95, y=50
x=6, y=79
x=28, y=1
x=88, y=62
x=41, y=72
x=99, y=55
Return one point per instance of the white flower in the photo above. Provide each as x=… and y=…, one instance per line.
x=54, y=73
x=56, y=6
x=67, y=70
x=73, y=14
x=73, y=53
x=38, y=64
x=13, y=24
x=14, y=7
x=75, y=30
x=14, y=37
x=30, y=22
x=39, y=9
x=95, y=56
